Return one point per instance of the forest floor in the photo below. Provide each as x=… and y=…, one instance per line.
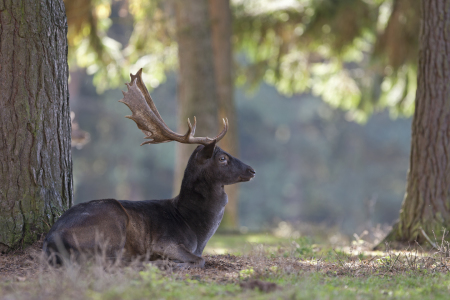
x=251, y=266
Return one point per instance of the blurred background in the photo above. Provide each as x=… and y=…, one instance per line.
x=322, y=92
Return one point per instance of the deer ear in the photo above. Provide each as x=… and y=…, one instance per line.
x=208, y=151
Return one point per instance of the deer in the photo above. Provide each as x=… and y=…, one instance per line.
x=173, y=231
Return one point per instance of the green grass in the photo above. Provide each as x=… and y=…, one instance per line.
x=153, y=284
x=239, y=244
x=338, y=276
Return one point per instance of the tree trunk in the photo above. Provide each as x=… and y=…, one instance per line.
x=426, y=208
x=35, y=153
x=196, y=84
x=220, y=13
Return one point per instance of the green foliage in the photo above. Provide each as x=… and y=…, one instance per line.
x=151, y=45
x=90, y=46
x=357, y=55
x=339, y=50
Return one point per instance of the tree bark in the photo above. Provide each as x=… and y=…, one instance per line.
x=425, y=210
x=35, y=153
x=196, y=83
x=221, y=30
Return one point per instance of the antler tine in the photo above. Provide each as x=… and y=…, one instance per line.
x=224, y=130
x=192, y=128
x=207, y=140
x=148, y=119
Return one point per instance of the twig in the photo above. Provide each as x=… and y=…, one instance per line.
x=443, y=263
x=394, y=262
x=428, y=239
x=47, y=224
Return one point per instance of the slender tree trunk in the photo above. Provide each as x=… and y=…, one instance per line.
x=221, y=29
x=196, y=87
x=426, y=207
x=35, y=153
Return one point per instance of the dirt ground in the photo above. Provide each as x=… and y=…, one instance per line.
x=20, y=264
x=24, y=264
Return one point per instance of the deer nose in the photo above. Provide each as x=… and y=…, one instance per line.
x=251, y=171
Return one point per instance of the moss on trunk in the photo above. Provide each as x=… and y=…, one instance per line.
x=35, y=154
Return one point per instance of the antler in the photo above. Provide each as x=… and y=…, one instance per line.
x=148, y=119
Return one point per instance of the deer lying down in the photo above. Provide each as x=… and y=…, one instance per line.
x=175, y=229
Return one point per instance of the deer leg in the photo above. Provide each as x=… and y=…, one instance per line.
x=180, y=256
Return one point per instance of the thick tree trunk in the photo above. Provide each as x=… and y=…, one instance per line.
x=197, y=95
x=426, y=207
x=35, y=153
x=220, y=12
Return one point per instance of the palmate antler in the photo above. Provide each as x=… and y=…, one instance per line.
x=148, y=119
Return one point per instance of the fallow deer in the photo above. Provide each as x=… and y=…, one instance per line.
x=175, y=229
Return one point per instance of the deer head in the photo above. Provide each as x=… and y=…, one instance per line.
x=213, y=165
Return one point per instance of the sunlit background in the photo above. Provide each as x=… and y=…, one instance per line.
x=324, y=90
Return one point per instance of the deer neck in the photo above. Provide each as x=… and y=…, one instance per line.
x=202, y=196
x=202, y=206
